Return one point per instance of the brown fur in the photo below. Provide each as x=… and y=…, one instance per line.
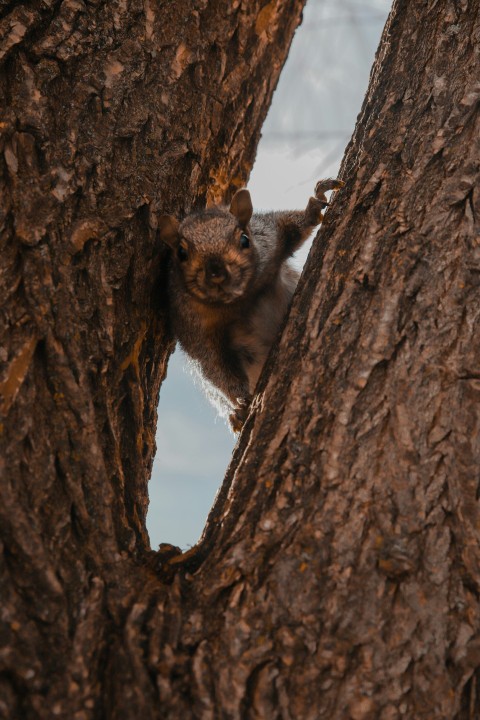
x=230, y=287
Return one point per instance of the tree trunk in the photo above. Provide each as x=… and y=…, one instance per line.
x=339, y=572
x=111, y=113
x=343, y=566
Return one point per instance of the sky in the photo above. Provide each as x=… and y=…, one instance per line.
x=309, y=124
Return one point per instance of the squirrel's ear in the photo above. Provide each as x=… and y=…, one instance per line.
x=168, y=230
x=242, y=207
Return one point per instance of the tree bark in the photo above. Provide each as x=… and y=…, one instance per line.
x=338, y=575
x=111, y=113
x=345, y=553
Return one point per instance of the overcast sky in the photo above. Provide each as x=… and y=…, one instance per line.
x=309, y=124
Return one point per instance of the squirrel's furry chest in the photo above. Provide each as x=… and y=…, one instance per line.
x=238, y=336
x=210, y=329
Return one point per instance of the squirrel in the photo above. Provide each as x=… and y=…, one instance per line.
x=230, y=287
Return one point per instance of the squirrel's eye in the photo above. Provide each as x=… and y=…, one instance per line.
x=182, y=253
x=244, y=241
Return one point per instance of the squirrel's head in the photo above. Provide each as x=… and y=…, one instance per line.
x=214, y=250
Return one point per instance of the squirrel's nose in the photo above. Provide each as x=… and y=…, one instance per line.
x=216, y=271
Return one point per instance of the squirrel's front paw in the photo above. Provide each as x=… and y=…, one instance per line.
x=239, y=415
x=317, y=204
x=236, y=423
x=328, y=184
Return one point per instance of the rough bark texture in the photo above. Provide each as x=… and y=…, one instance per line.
x=343, y=565
x=110, y=114
x=339, y=573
